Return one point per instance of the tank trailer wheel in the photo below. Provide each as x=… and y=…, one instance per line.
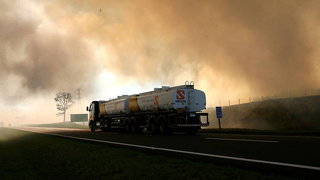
x=154, y=127
x=135, y=126
x=162, y=126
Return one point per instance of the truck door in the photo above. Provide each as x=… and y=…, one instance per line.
x=96, y=111
x=91, y=112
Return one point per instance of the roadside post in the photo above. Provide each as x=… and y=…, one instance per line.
x=219, y=115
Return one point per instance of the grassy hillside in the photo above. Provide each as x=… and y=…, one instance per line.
x=294, y=114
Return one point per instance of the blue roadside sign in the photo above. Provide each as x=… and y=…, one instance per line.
x=219, y=112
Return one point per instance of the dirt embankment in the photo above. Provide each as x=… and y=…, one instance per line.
x=301, y=113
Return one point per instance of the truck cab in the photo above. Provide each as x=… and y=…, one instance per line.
x=94, y=110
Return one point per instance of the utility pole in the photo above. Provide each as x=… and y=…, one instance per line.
x=78, y=92
x=64, y=110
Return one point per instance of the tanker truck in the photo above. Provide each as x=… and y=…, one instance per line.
x=163, y=110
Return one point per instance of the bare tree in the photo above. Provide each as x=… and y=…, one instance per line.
x=64, y=102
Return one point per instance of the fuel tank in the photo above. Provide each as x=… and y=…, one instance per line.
x=161, y=99
x=192, y=100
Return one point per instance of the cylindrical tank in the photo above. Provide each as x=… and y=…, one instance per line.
x=115, y=107
x=191, y=99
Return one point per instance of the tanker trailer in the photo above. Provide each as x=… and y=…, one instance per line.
x=163, y=110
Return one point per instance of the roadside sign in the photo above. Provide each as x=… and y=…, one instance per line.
x=219, y=115
x=219, y=112
x=79, y=117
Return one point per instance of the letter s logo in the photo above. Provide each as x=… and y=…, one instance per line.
x=156, y=98
x=180, y=94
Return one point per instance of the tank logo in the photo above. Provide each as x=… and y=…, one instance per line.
x=115, y=106
x=180, y=94
x=156, y=98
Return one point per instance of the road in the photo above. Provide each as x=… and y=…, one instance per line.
x=296, y=156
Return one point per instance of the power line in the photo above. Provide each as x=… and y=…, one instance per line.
x=78, y=92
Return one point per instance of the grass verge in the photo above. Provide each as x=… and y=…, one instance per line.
x=60, y=125
x=208, y=130
x=27, y=155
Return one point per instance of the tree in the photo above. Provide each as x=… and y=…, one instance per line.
x=64, y=102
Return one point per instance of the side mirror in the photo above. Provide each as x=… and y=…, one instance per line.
x=87, y=108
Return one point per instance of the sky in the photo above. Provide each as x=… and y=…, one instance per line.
x=230, y=49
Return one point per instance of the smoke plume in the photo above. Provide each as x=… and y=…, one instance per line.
x=229, y=48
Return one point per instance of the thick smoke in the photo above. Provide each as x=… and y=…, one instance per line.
x=256, y=46
x=37, y=56
x=230, y=47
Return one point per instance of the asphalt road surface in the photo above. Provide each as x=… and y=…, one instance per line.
x=297, y=156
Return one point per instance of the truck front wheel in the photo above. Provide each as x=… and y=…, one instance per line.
x=127, y=125
x=91, y=126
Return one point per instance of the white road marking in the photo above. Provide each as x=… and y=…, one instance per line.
x=251, y=140
x=193, y=153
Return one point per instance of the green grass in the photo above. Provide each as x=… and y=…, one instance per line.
x=25, y=155
x=60, y=125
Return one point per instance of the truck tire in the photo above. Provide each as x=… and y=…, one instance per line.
x=163, y=128
x=127, y=125
x=135, y=126
x=91, y=126
x=133, y=123
x=153, y=125
x=102, y=126
x=107, y=125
